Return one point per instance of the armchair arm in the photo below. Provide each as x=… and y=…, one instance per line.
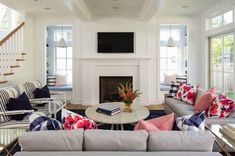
x=57, y=93
x=42, y=99
x=16, y=112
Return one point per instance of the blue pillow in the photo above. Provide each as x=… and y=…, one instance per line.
x=20, y=103
x=42, y=93
x=195, y=122
x=44, y=123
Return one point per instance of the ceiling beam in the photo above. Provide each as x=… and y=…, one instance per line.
x=149, y=9
x=79, y=8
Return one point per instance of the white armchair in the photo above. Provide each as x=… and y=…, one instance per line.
x=5, y=116
x=52, y=105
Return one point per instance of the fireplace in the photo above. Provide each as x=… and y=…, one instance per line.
x=108, y=87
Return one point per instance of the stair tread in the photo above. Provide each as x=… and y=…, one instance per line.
x=20, y=59
x=15, y=66
x=1, y=82
x=6, y=74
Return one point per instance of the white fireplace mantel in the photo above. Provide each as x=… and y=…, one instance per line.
x=92, y=69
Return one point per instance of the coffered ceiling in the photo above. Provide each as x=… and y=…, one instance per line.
x=186, y=7
x=38, y=7
x=106, y=9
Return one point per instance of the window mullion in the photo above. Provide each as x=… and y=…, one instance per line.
x=223, y=72
x=233, y=63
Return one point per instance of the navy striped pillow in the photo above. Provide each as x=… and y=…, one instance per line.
x=173, y=90
x=30, y=87
x=181, y=78
x=5, y=95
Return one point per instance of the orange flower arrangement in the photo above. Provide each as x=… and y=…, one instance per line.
x=127, y=94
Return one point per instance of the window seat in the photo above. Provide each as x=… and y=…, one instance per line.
x=60, y=88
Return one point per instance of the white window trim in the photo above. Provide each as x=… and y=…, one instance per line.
x=222, y=12
x=222, y=36
x=181, y=65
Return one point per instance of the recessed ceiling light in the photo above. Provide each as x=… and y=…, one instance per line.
x=184, y=6
x=115, y=7
x=47, y=8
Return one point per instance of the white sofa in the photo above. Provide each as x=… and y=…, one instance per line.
x=107, y=142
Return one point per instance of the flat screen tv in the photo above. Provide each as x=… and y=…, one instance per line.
x=115, y=42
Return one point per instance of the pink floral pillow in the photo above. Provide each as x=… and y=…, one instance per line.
x=187, y=93
x=221, y=107
x=71, y=120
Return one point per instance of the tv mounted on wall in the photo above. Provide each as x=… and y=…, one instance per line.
x=115, y=42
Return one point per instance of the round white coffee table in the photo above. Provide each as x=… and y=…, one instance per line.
x=138, y=113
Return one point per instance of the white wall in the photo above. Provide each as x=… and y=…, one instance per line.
x=88, y=59
x=146, y=55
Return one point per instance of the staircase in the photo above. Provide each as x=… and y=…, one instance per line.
x=11, y=53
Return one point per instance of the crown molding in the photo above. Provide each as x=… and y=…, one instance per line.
x=79, y=8
x=149, y=9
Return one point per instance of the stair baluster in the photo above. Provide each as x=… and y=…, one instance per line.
x=11, y=53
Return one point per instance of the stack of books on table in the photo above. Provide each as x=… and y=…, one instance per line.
x=229, y=131
x=108, y=109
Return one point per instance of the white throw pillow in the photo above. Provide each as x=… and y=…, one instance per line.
x=168, y=79
x=61, y=80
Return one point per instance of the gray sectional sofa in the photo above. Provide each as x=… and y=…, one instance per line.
x=181, y=108
x=107, y=143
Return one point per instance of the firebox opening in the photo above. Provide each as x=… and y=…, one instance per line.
x=108, y=87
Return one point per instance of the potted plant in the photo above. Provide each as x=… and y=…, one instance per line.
x=128, y=95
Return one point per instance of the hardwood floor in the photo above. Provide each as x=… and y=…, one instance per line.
x=80, y=106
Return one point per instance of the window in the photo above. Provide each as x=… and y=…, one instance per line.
x=59, y=60
x=221, y=60
x=66, y=34
x=173, y=59
x=217, y=21
x=228, y=17
x=220, y=20
x=9, y=18
x=64, y=62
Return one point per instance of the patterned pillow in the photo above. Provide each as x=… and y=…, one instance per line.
x=71, y=120
x=30, y=87
x=173, y=90
x=193, y=122
x=187, y=93
x=221, y=107
x=44, y=123
x=181, y=78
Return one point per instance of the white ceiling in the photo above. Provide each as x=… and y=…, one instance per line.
x=37, y=7
x=101, y=9
x=174, y=7
x=115, y=8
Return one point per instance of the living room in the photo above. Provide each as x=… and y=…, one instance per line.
x=84, y=56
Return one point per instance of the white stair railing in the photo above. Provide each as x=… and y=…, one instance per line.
x=11, y=53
